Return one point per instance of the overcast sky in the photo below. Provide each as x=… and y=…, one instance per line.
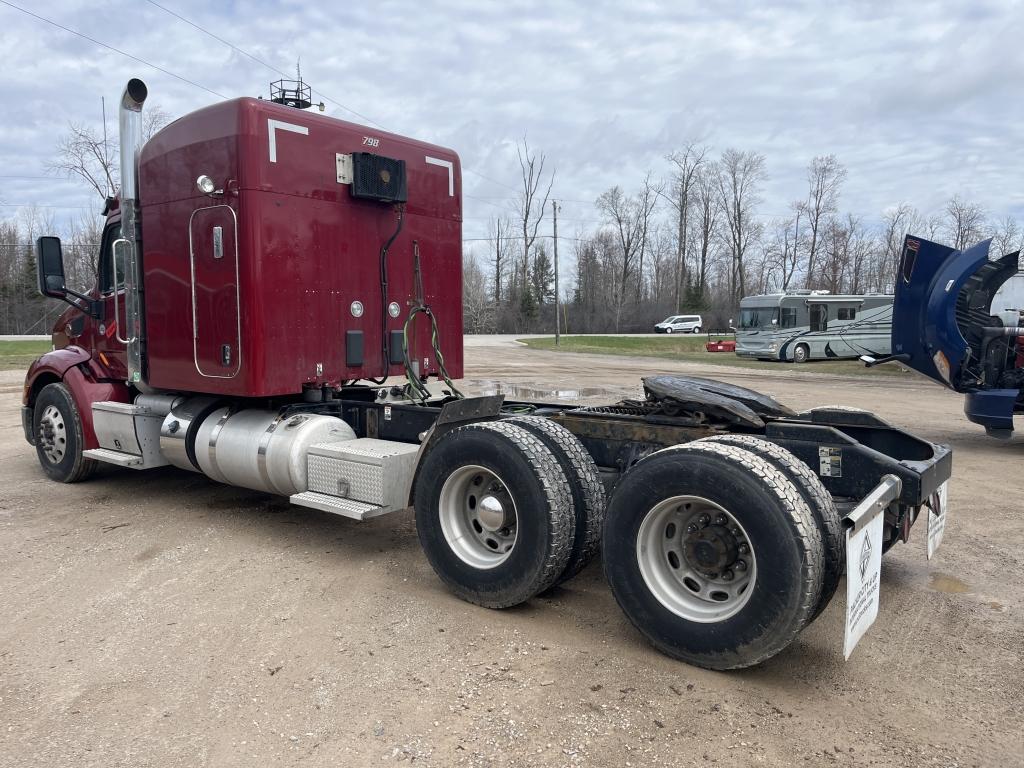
x=919, y=100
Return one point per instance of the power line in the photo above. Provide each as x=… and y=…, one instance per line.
x=110, y=48
x=258, y=60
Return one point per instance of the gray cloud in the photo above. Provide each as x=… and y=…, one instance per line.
x=917, y=99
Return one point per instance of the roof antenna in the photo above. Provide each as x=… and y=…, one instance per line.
x=293, y=93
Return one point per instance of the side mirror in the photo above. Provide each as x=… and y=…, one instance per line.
x=50, y=268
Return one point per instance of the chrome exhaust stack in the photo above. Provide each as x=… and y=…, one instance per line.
x=130, y=129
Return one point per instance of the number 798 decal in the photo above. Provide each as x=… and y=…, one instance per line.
x=370, y=141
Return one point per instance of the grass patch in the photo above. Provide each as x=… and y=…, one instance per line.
x=690, y=349
x=15, y=355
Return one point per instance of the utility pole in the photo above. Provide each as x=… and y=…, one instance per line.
x=554, y=212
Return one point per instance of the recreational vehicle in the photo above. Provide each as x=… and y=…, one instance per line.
x=814, y=325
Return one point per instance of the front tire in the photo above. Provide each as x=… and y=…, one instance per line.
x=801, y=354
x=668, y=330
x=713, y=555
x=494, y=513
x=60, y=441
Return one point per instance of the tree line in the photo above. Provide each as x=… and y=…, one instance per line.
x=691, y=239
x=694, y=240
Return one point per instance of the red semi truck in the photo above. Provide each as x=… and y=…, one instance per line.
x=279, y=307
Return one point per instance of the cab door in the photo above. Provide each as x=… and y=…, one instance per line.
x=108, y=340
x=216, y=324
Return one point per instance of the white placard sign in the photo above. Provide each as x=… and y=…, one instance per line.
x=863, y=574
x=937, y=518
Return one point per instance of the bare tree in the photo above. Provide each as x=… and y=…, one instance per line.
x=532, y=203
x=629, y=219
x=90, y=153
x=499, y=229
x=708, y=211
x=476, y=309
x=153, y=119
x=687, y=164
x=964, y=222
x=825, y=176
x=646, y=202
x=740, y=175
x=1007, y=237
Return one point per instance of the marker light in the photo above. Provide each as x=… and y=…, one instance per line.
x=942, y=366
x=205, y=185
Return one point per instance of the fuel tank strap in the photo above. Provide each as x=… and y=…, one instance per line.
x=215, y=471
x=261, y=455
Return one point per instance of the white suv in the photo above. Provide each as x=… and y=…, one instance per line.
x=679, y=324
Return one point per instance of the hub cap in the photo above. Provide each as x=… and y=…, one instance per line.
x=52, y=435
x=696, y=559
x=478, y=517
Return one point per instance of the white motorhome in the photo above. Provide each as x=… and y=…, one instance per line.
x=814, y=325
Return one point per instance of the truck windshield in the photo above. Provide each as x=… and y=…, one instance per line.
x=758, y=317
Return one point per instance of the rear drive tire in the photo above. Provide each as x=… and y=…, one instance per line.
x=713, y=555
x=818, y=499
x=588, y=498
x=57, y=426
x=801, y=354
x=494, y=513
x=696, y=329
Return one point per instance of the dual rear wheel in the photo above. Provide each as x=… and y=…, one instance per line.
x=508, y=509
x=719, y=551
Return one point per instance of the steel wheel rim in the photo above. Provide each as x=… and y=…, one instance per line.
x=53, y=434
x=670, y=535
x=478, y=517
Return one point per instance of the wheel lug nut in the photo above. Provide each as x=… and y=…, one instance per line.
x=691, y=528
x=743, y=548
x=727, y=576
x=735, y=531
x=720, y=519
x=705, y=520
x=740, y=565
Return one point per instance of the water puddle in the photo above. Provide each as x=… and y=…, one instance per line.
x=529, y=392
x=951, y=585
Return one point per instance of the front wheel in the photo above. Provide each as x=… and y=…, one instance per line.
x=668, y=330
x=713, y=555
x=59, y=438
x=801, y=354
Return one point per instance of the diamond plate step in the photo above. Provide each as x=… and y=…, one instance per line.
x=356, y=510
x=120, y=458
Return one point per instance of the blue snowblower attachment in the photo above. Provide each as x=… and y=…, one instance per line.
x=945, y=326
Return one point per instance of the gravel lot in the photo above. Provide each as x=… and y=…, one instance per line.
x=160, y=619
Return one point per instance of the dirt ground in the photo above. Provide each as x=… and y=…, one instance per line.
x=160, y=619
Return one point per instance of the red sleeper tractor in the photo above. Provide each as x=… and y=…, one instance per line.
x=279, y=307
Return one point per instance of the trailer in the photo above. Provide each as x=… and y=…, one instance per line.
x=279, y=308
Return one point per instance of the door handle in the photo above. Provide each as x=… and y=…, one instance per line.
x=117, y=316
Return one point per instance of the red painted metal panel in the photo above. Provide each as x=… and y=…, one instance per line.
x=307, y=249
